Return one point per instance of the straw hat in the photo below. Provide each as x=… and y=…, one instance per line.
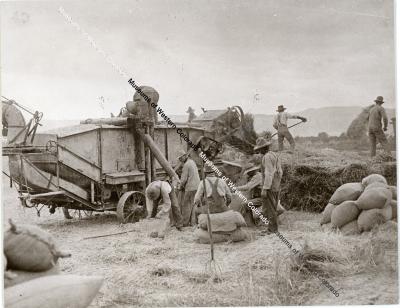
x=281, y=108
x=262, y=143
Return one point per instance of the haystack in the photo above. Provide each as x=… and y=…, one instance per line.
x=358, y=128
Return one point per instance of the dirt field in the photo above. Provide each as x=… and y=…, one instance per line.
x=142, y=271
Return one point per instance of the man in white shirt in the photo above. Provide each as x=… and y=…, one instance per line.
x=280, y=124
x=271, y=171
x=159, y=195
x=189, y=183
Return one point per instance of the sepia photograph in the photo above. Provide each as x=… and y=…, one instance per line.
x=208, y=153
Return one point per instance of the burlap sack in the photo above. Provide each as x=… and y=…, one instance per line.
x=346, y=192
x=372, y=178
x=350, y=228
x=18, y=277
x=29, y=248
x=222, y=222
x=394, y=192
x=57, y=291
x=326, y=214
x=374, y=198
x=234, y=236
x=393, y=204
x=344, y=213
x=370, y=218
x=387, y=212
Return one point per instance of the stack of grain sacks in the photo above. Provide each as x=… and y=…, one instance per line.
x=32, y=274
x=225, y=226
x=358, y=207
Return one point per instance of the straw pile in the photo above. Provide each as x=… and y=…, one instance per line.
x=358, y=128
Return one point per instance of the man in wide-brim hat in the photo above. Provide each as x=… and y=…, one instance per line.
x=190, y=181
x=375, y=130
x=271, y=171
x=280, y=124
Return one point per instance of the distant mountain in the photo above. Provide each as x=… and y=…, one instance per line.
x=332, y=120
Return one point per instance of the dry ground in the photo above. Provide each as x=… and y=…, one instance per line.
x=142, y=271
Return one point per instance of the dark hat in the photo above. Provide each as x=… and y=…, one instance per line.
x=261, y=143
x=281, y=108
x=379, y=99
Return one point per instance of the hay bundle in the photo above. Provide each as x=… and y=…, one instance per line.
x=344, y=213
x=354, y=172
x=326, y=214
x=306, y=187
x=312, y=259
x=358, y=127
x=346, y=192
x=369, y=219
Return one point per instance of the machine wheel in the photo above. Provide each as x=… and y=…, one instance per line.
x=131, y=207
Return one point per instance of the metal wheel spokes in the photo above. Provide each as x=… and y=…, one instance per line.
x=131, y=207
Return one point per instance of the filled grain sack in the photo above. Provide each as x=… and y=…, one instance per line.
x=350, y=228
x=375, y=198
x=18, y=277
x=393, y=204
x=376, y=185
x=29, y=248
x=344, y=213
x=234, y=236
x=346, y=192
x=372, y=178
x=222, y=222
x=387, y=212
x=326, y=214
x=57, y=291
x=394, y=192
x=370, y=218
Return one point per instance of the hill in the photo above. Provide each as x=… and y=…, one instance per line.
x=332, y=120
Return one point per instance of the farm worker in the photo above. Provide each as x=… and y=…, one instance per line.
x=159, y=194
x=189, y=183
x=271, y=171
x=191, y=113
x=255, y=179
x=280, y=124
x=219, y=195
x=375, y=132
x=142, y=100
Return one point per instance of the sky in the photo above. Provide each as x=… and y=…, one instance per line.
x=212, y=54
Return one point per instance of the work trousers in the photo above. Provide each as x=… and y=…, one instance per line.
x=283, y=132
x=175, y=216
x=269, y=204
x=187, y=208
x=377, y=135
